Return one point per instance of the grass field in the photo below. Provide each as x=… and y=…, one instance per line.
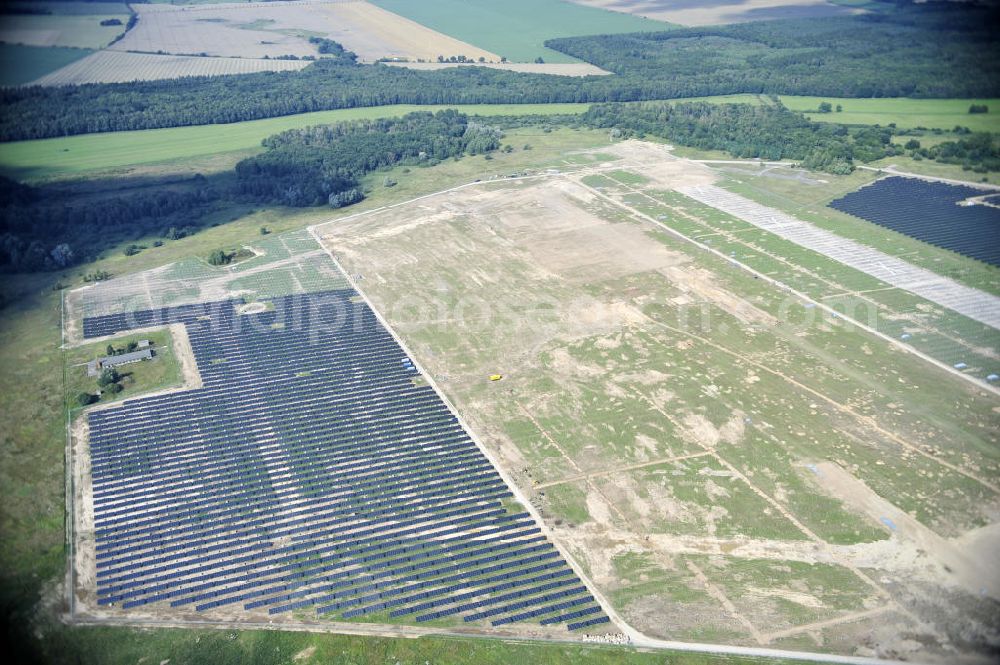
x=23, y=64
x=905, y=113
x=122, y=646
x=517, y=29
x=47, y=158
x=722, y=12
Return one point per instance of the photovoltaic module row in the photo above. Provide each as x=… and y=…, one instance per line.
x=929, y=211
x=312, y=471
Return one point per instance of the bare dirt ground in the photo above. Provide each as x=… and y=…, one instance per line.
x=968, y=561
x=603, y=408
x=716, y=13
x=275, y=29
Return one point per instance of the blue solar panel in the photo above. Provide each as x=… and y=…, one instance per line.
x=929, y=211
x=309, y=470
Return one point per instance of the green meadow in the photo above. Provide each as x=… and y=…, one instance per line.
x=905, y=113
x=517, y=29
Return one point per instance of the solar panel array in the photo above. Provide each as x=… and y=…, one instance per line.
x=929, y=211
x=312, y=471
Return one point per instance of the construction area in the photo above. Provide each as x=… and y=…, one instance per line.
x=307, y=473
x=603, y=396
x=728, y=454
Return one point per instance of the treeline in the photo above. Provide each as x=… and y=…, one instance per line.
x=50, y=228
x=925, y=51
x=932, y=50
x=976, y=152
x=46, y=229
x=769, y=132
x=314, y=165
x=333, y=49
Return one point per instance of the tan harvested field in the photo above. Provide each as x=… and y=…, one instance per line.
x=722, y=472
x=555, y=68
x=276, y=29
x=118, y=67
x=716, y=13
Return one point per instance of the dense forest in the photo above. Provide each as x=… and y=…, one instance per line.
x=46, y=229
x=49, y=228
x=929, y=51
x=769, y=132
x=920, y=51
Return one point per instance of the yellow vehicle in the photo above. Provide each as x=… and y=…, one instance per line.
x=496, y=377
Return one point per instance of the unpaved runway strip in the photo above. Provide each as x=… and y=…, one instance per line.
x=973, y=303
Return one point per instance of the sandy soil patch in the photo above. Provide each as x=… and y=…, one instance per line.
x=305, y=654
x=654, y=162
x=547, y=255
x=969, y=562
x=85, y=559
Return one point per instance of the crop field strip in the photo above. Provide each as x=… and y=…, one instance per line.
x=311, y=471
x=120, y=67
x=929, y=211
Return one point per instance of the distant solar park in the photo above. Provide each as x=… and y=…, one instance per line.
x=313, y=472
x=930, y=211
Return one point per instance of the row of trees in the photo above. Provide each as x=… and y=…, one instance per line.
x=769, y=132
x=975, y=152
x=924, y=51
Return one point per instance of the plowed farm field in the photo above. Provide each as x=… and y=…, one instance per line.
x=276, y=29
